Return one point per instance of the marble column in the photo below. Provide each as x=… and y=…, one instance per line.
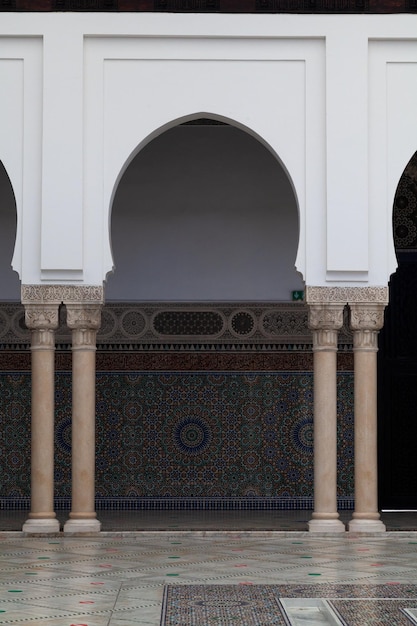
x=42, y=320
x=84, y=321
x=366, y=321
x=325, y=320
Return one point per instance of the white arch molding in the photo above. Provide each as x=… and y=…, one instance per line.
x=204, y=209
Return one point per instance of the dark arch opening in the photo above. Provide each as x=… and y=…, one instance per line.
x=204, y=212
x=397, y=383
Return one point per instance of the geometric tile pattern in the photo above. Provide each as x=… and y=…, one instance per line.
x=212, y=434
x=184, y=434
x=198, y=604
x=405, y=208
x=254, y=605
x=116, y=580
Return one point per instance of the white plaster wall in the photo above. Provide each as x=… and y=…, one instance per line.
x=21, y=143
x=204, y=213
x=333, y=97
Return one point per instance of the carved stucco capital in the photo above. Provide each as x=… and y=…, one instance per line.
x=366, y=320
x=367, y=316
x=325, y=316
x=39, y=316
x=325, y=320
x=42, y=320
x=84, y=320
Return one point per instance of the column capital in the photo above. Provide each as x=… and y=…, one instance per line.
x=86, y=316
x=366, y=320
x=42, y=320
x=367, y=315
x=325, y=316
x=84, y=320
x=41, y=316
x=325, y=319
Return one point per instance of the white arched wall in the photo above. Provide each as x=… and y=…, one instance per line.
x=333, y=95
x=204, y=75
x=204, y=212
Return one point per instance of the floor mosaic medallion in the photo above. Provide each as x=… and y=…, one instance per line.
x=290, y=605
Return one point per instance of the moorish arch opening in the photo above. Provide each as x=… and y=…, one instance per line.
x=204, y=212
x=208, y=395
x=397, y=383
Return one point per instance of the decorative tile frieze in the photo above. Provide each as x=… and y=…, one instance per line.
x=161, y=327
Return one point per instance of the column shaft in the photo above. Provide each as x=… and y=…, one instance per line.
x=83, y=440
x=42, y=321
x=84, y=320
x=325, y=320
x=366, y=320
x=325, y=453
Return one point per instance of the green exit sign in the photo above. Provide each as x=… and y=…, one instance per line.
x=298, y=295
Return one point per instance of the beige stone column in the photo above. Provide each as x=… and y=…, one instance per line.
x=42, y=320
x=84, y=321
x=325, y=320
x=366, y=321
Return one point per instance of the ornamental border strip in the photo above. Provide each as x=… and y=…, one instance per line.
x=236, y=326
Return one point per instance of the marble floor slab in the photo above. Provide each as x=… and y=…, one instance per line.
x=119, y=579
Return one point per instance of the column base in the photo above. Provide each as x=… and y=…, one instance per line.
x=45, y=526
x=76, y=526
x=326, y=526
x=366, y=526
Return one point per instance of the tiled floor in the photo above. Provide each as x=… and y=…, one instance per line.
x=118, y=578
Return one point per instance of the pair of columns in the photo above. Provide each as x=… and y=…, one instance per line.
x=84, y=320
x=325, y=320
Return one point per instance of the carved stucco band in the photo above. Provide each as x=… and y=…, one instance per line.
x=346, y=295
x=57, y=294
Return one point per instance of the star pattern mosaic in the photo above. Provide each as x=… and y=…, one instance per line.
x=184, y=434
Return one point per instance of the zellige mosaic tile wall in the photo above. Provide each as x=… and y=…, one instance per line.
x=184, y=434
